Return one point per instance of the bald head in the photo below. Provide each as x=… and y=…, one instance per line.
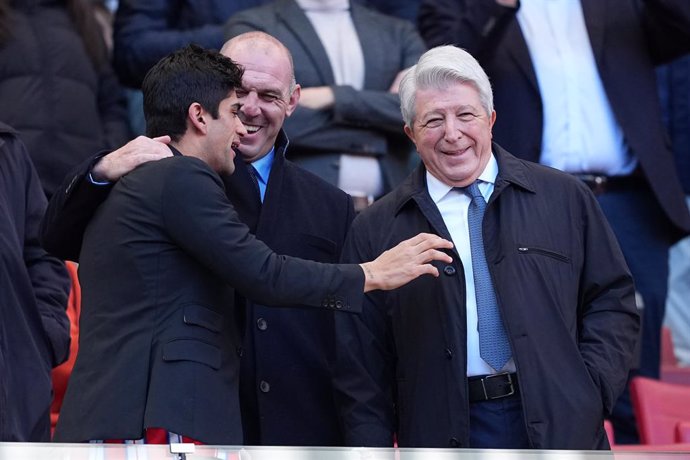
x=260, y=42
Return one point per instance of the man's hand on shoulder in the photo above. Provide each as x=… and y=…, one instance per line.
x=123, y=160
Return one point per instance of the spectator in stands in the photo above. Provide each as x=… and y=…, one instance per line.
x=33, y=294
x=674, y=86
x=56, y=84
x=528, y=336
x=575, y=84
x=348, y=59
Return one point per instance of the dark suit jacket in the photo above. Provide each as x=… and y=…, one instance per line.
x=301, y=216
x=366, y=122
x=159, y=338
x=628, y=38
x=290, y=349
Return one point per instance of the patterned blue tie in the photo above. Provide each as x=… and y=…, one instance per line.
x=494, y=347
x=253, y=175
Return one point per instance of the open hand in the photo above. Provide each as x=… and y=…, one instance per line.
x=405, y=262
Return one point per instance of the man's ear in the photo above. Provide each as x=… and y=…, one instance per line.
x=196, y=117
x=294, y=100
x=410, y=133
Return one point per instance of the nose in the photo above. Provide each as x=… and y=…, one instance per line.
x=250, y=107
x=240, y=130
x=452, y=130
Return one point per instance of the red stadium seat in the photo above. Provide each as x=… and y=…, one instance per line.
x=659, y=408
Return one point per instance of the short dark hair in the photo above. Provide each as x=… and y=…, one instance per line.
x=190, y=74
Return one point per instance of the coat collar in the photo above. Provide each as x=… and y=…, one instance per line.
x=511, y=171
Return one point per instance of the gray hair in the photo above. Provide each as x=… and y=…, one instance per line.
x=439, y=67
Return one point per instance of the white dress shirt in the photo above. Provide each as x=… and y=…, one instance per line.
x=580, y=133
x=453, y=205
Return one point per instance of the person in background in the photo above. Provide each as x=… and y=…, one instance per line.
x=159, y=263
x=57, y=87
x=575, y=84
x=33, y=296
x=348, y=59
x=527, y=337
x=674, y=88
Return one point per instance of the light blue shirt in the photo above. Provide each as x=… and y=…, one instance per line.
x=453, y=205
x=580, y=131
x=263, y=168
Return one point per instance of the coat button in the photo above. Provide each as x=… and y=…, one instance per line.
x=240, y=351
x=449, y=270
x=261, y=324
x=454, y=442
x=264, y=386
x=338, y=304
x=449, y=353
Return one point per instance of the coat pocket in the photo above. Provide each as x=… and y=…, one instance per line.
x=192, y=350
x=524, y=249
x=196, y=315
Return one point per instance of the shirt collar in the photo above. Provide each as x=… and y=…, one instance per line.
x=438, y=190
x=263, y=165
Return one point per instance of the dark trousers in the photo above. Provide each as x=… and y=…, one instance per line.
x=498, y=424
x=645, y=236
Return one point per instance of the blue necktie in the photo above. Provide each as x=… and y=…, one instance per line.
x=253, y=173
x=494, y=347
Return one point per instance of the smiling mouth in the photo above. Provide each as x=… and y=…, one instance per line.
x=456, y=151
x=251, y=129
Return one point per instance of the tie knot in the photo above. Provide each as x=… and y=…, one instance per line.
x=472, y=190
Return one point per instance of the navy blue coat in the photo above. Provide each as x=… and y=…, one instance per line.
x=566, y=298
x=34, y=329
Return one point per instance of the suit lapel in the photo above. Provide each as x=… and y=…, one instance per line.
x=297, y=22
x=373, y=55
x=517, y=48
x=594, y=12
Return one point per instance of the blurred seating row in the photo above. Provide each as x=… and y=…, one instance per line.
x=662, y=407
